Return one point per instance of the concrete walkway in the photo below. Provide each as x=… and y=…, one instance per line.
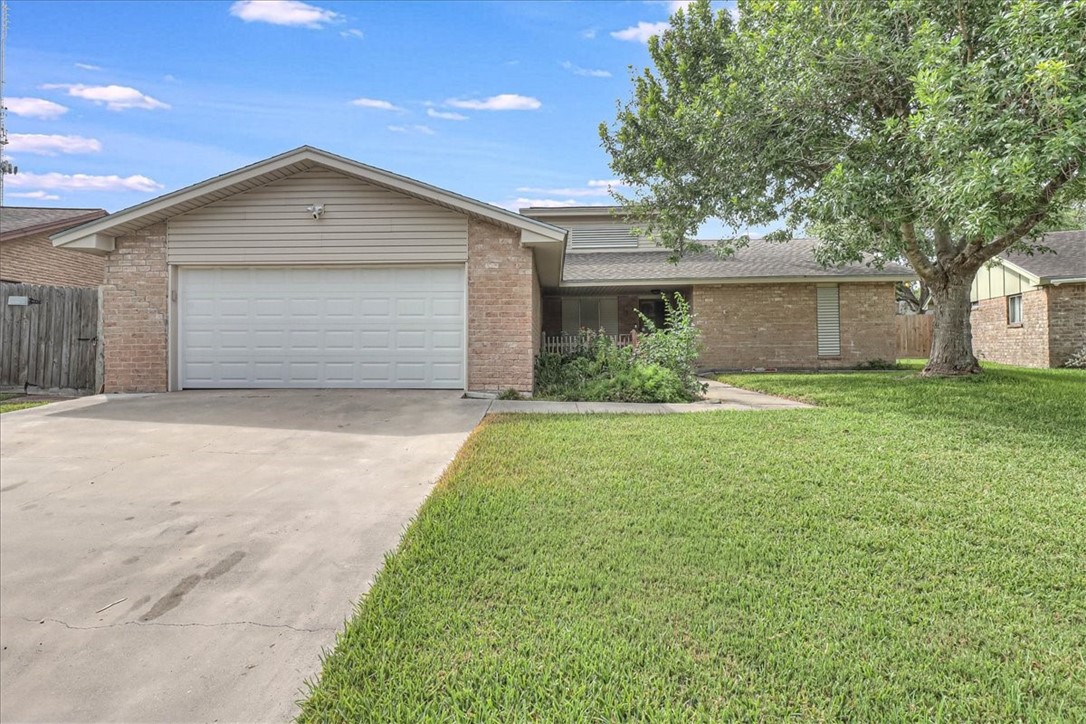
x=718, y=396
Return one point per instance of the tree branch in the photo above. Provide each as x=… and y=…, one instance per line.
x=917, y=258
x=1023, y=227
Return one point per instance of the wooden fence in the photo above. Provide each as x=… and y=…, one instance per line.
x=914, y=335
x=51, y=342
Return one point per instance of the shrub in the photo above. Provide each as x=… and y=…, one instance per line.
x=675, y=347
x=510, y=394
x=639, y=383
x=659, y=369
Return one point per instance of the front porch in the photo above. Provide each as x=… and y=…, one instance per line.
x=608, y=310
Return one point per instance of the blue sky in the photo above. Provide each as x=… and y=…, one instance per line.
x=112, y=103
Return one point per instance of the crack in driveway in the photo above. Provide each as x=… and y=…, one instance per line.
x=177, y=625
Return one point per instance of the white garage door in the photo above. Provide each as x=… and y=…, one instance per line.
x=296, y=327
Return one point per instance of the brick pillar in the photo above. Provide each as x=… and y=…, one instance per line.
x=135, y=308
x=503, y=309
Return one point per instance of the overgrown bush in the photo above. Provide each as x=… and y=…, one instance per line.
x=660, y=368
x=675, y=347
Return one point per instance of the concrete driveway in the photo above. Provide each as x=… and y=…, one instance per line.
x=186, y=557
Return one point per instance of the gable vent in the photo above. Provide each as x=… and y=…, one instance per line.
x=602, y=237
x=829, y=322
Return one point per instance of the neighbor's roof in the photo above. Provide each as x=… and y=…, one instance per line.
x=760, y=261
x=1066, y=264
x=287, y=164
x=19, y=221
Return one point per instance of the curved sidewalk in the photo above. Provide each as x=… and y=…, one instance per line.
x=718, y=396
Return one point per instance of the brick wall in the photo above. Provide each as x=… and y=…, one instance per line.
x=1066, y=321
x=747, y=326
x=502, y=309
x=1026, y=345
x=135, y=309
x=34, y=260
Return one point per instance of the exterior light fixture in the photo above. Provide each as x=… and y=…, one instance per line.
x=316, y=209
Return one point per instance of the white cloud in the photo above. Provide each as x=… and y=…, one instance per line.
x=352, y=33
x=424, y=130
x=38, y=195
x=82, y=182
x=113, y=97
x=284, y=12
x=87, y=66
x=641, y=32
x=501, y=102
x=446, y=115
x=589, y=34
x=35, y=107
x=587, y=72
x=675, y=5
x=52, y=144
x=376, y=104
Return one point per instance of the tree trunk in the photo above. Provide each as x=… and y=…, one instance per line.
x=952, y=341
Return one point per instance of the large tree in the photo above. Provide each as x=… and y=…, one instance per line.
x=943, y=132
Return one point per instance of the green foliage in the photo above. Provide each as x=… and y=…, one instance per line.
x=675, y=347
x=861, y=120
x=599, y=370
x=943, y=133
x=510, y=394
x=793, y=565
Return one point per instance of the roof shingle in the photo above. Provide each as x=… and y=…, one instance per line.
x=760, y=260
x=14, y=220
x=1068, y=261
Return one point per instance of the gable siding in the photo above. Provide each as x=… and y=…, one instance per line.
x=362, y=224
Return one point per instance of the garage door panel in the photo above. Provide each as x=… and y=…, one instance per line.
x=373, y=327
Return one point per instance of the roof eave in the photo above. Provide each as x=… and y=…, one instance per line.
x=705, y=281
x=540, y=230
x=54, y=226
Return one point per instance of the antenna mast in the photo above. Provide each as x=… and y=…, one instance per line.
x=5, y=165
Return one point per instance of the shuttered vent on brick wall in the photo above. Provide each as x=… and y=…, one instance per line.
x=602, y=237
x=829, y=322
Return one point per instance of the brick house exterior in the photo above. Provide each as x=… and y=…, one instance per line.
x=311, y=270
x=1031, y=310
x=506, y=260
x=774, y=326
x=27, y=256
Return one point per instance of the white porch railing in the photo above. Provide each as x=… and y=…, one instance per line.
x=569, y=343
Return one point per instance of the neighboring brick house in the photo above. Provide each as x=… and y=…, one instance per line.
x=1031, y=310
x=313, y=270
x=28, y=257
x=768, y=306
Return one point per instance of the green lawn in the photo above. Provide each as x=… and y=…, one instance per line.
x=911, y=550
x=6, y=404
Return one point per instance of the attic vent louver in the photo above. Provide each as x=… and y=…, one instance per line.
x=602, y=237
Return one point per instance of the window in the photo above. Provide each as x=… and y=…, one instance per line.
x=829, y=322
x=592, y=313
x=1014, y=309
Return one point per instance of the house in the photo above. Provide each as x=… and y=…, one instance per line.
x=312, y=270
x=769, y=305
x=1030, y=310
x=28, y=257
